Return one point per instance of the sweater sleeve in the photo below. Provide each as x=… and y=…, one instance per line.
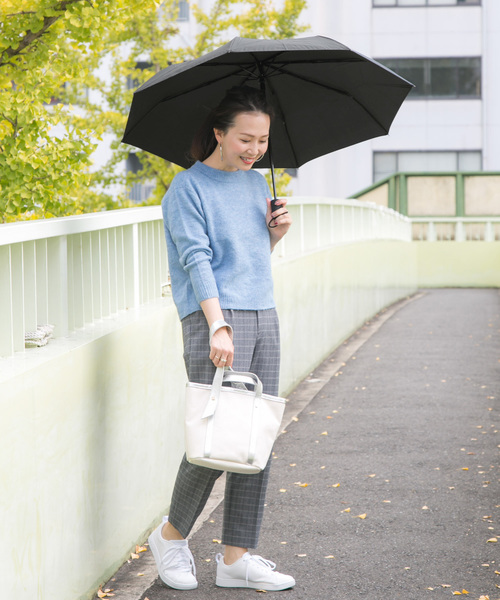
x=185, y=220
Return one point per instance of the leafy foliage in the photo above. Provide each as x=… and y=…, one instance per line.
x=50, y=54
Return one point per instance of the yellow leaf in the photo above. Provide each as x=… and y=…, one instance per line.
x=465, y=468
x=325, y=433
x=282, y=490
x=140, y=574
x=363, y=516
x=139, y=549
x=465, y=592
x=101, y=594
x=261, y=591
x=347, y=510
x=492, y=541
x=330, y=556
x=216, y=541
x=301, y=484
x=457, y=593
x=336, y=485
x=134, y=555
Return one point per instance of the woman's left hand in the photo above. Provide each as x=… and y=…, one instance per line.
x=280, y=220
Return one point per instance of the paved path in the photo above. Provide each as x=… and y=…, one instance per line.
x=386, y=485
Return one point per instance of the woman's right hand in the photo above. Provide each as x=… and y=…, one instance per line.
x=222, y=349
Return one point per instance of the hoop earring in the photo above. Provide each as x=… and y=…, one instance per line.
x=221, y=155
x=259, y=159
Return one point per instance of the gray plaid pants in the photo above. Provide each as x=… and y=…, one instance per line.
x=256, y=349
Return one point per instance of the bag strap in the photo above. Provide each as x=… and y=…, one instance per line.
x=227, y=374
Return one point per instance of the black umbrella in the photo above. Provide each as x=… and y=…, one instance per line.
x=325, y=97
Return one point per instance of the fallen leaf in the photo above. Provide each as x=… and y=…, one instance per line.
x=282, y=490
x=261, y=591
x=139, y=549
x=335, y=485
x=445, y=585
x=425, y=508
x=372, y=475
x=216, y=541
x=134, y=555
x=325, y=433
x=465, y=468
x=363, y=516
x=140, y=574
x=301, y=555
x=295, y=419
x=347, y=510
x=492, y=541
x=293, y=464
x=330, y=556
x=484, y=598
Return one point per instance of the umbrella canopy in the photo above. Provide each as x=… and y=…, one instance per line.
x=325, y=97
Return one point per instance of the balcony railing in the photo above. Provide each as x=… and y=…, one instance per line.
x=73, y=272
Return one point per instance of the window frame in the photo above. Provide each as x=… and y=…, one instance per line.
x=426, y=4
x=397, y=154
x=460, y=63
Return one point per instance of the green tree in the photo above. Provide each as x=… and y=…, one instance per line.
x=48, y=52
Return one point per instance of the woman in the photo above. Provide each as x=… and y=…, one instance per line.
x=220, y=234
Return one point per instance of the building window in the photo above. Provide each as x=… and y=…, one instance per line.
x=439, y=77
x=140, y=191
x=388, y=163
x=385, y=3
x=134, y=82
x=183, y=10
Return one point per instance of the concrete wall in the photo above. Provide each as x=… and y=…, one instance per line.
x=458, y=264
x=92, y=427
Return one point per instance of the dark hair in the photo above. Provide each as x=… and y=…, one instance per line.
x=239, y=99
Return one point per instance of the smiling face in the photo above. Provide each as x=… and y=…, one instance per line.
x=243, y=143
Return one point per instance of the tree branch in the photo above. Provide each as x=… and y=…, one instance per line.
x=30, y=37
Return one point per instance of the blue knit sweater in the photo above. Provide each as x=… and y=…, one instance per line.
x=217, y=239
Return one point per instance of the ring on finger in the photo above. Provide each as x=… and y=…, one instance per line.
x=223, y=359
x=217, y=357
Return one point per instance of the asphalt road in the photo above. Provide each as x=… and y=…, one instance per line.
x=385, y=485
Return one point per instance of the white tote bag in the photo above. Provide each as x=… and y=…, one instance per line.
x=231, y=428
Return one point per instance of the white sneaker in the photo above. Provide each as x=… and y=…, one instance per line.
x=174, y=560
x=252, y=571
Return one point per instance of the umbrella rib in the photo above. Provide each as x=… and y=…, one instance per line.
x=333, y=89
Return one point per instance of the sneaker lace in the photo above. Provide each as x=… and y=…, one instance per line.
x=262, y=563
x=180, y=559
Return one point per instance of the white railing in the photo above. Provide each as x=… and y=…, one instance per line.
x=73, y=272
x=458, y=229
x=322, y=222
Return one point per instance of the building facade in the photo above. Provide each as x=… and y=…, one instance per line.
x=450, y=50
